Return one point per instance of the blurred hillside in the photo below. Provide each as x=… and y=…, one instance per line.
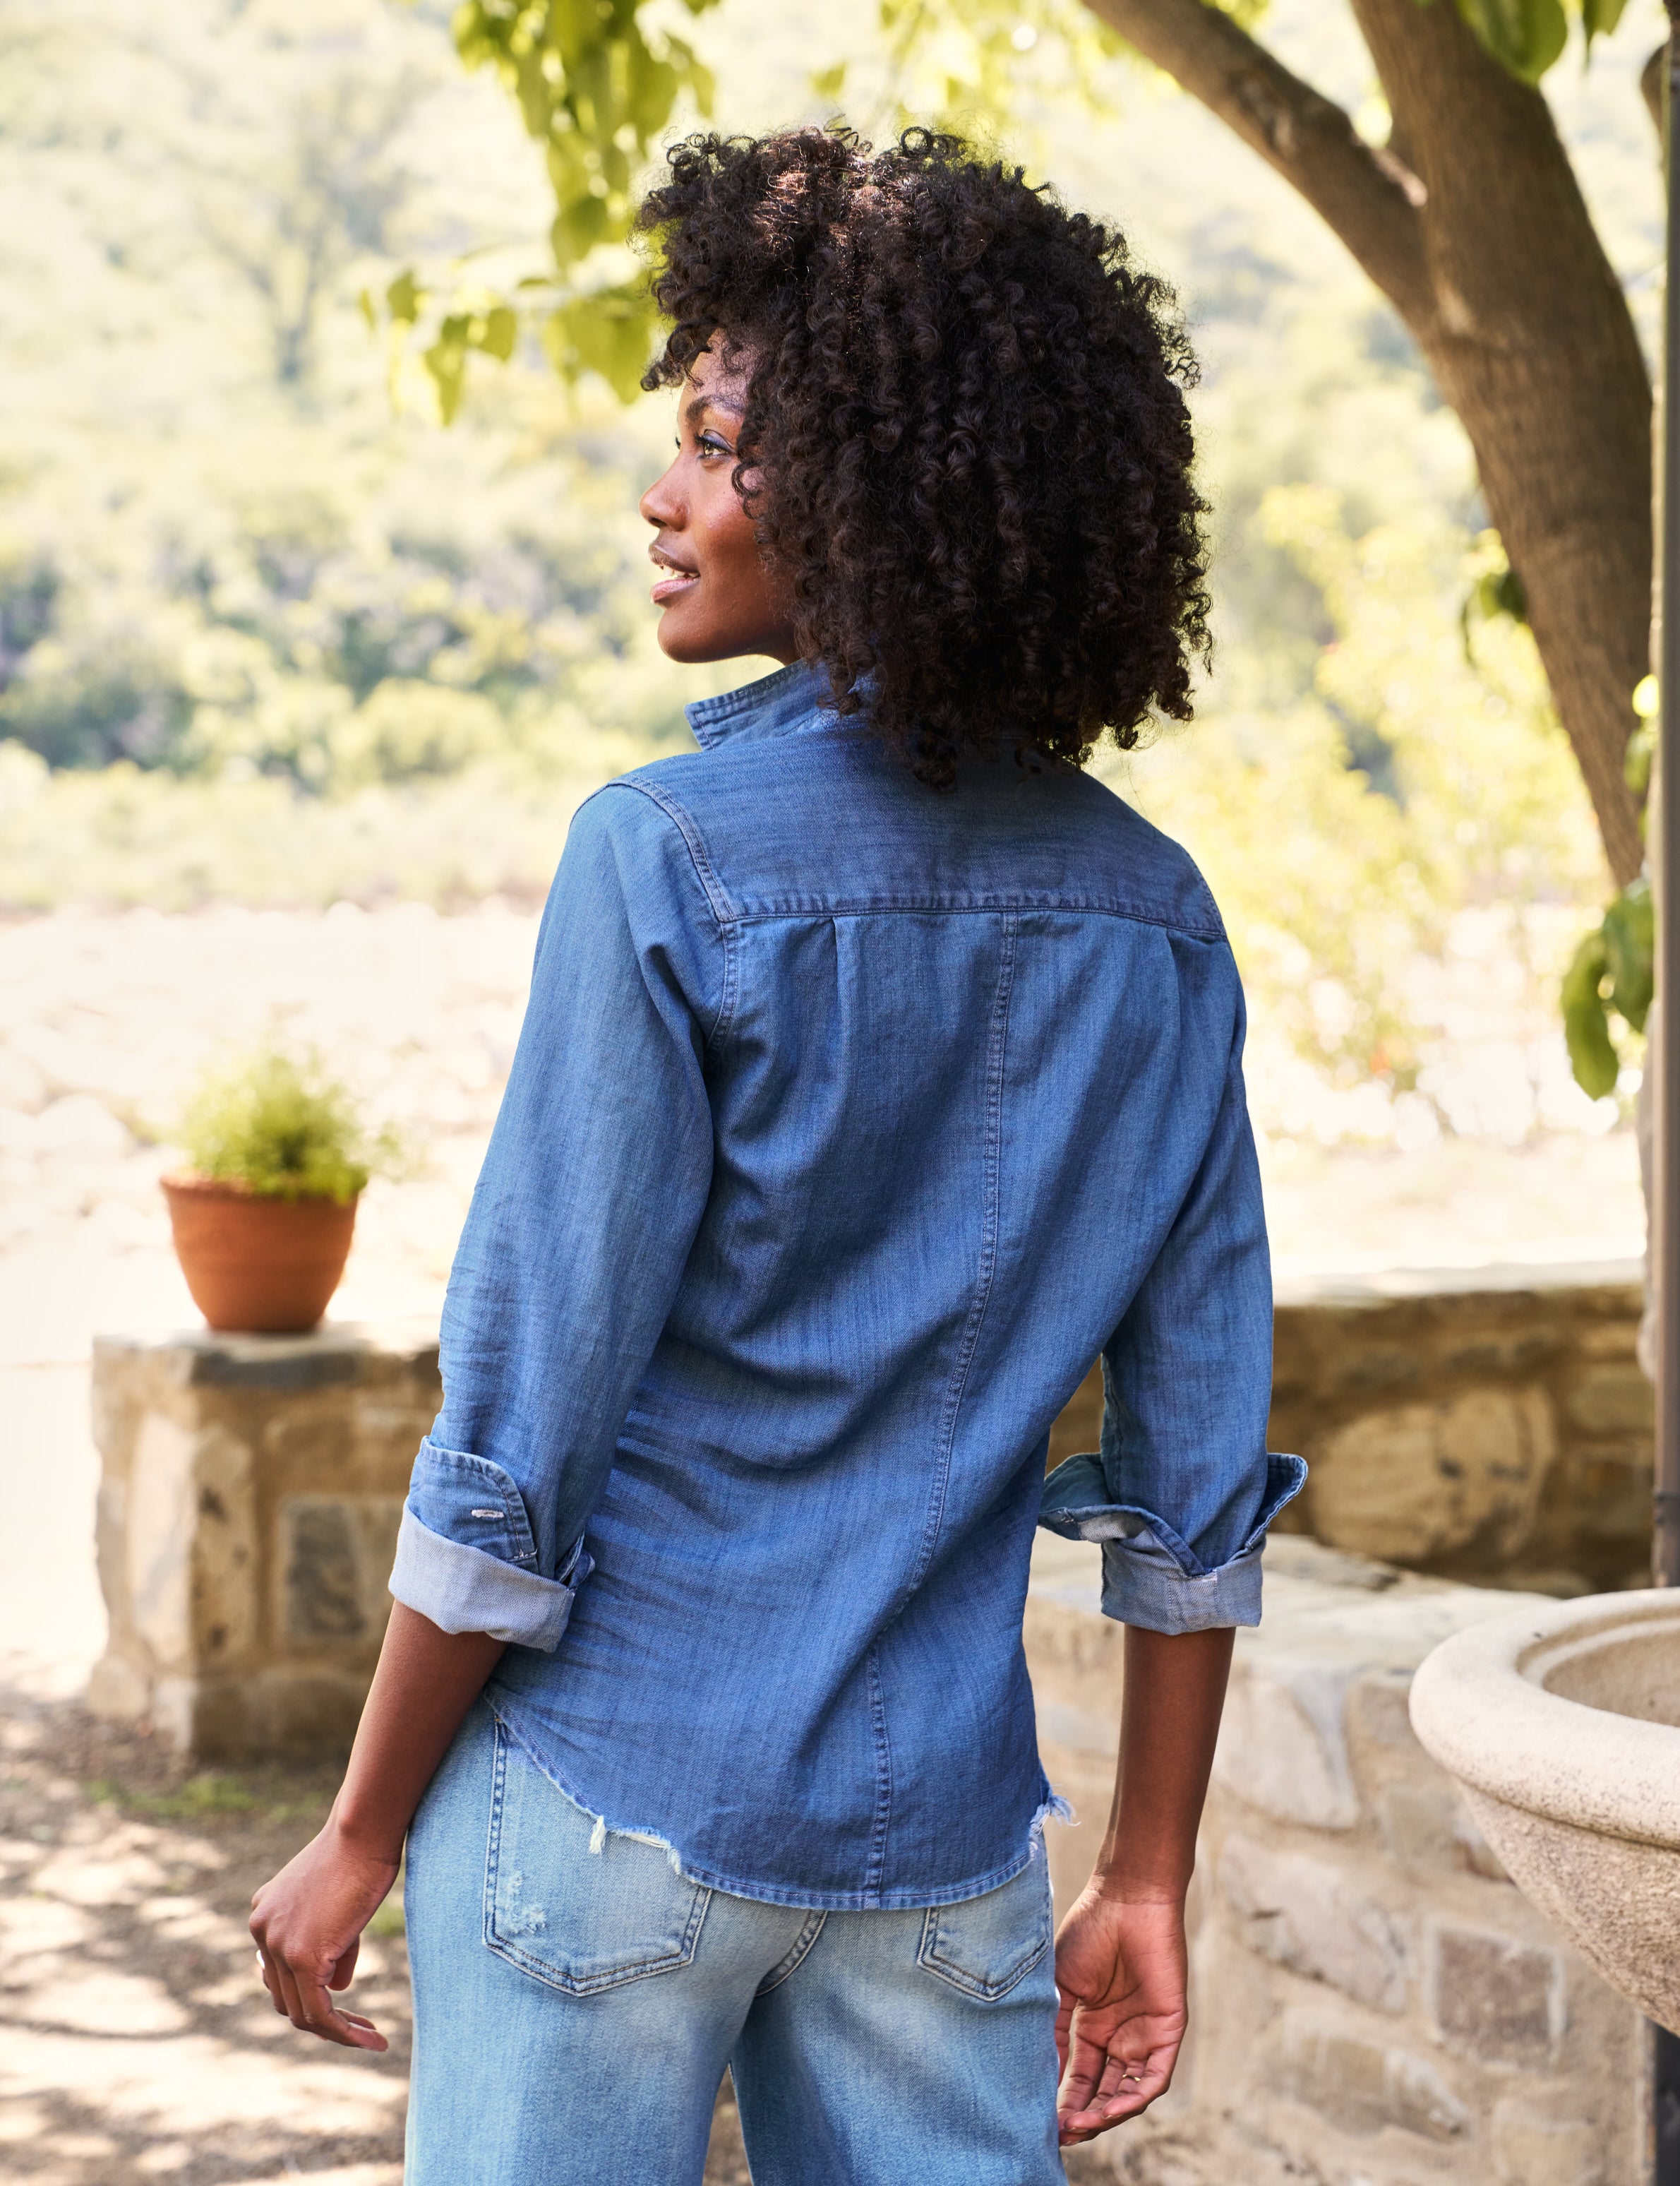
x=268, y=635
x=223, y=558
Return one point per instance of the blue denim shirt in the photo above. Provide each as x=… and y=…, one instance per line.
x=849, y=1121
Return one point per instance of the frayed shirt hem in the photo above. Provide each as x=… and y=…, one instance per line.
x=1052, y=1807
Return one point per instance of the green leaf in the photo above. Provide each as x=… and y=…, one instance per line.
x=1592, y=1055
x=1614, y=968
x=1495, y=588
x=1507, y=597
x=1637, y=755
x=555, y=338
x=1640, y=750
x=1524, y=36
x=829, y=82
x=654, y=88
x=278, y=1123
x=446, y=362
x=612, y=335
x=500, y=332
x=579, y=227
x=1630, y=952
x=403, y=298
x=1598, y=18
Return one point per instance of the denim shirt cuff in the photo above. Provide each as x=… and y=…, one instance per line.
x=1150, y=1577
x=464, y=1587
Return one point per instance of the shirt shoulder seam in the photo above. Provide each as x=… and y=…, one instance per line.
x=723, y=915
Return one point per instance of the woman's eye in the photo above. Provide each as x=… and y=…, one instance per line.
x=710, y=445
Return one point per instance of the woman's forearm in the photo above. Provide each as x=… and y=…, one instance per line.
x=1174, y=1690
x=426, y=1681
x=308, y=1921
x=1121, y=1962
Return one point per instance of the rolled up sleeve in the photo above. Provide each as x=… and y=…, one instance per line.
x=467, y=1559
x=591, y=1194
x=1183, y=1490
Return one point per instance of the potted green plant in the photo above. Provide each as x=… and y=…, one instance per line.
x=277, y=1155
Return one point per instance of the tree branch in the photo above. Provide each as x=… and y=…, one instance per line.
x=1367, y=197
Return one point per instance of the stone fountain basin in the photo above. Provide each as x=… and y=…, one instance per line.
x=1562, y=1725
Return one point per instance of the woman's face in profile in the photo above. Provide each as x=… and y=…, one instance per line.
x=717, y=597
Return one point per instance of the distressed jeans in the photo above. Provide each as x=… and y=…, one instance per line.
x=577, y=2000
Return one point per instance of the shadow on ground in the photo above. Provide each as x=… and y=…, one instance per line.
x=138, y=2044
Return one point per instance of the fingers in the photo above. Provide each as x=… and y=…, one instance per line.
x=1081, y=2074
x=290, y=2003
x=322, y=2017
x=311, y=2010
x=271, y=1981
x=1125, y=2092
x=1104, y=2085
x=1064, y=2022
x=344, y=1972
x=302, y=1997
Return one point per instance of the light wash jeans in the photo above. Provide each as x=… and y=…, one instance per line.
x=576, y=2002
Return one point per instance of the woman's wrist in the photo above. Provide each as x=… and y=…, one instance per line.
x=1122, y=1879
x=1123, y=1890
x=371, y=1836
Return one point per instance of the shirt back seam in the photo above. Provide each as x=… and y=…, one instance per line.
x=997, y=1045
x=1213, y=937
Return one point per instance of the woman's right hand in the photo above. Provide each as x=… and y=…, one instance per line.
x=308, y=1922
x=1121, y=1970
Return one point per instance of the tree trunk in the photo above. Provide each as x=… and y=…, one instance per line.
x=1473, y=225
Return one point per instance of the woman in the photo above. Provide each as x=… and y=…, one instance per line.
x=881, y=1068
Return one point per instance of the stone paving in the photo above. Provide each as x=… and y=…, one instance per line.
x=138, y=2044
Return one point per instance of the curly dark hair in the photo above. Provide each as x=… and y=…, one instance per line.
x=966, y=430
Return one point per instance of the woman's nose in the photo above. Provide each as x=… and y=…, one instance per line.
x=662, y=505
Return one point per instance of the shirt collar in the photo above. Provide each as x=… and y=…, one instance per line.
x=794, y=698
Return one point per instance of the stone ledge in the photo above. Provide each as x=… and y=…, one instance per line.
x=337, y=1352
x=1490, y=1279
x=1489, y=1425
x=250, y=1491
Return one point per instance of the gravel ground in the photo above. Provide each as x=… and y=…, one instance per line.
x=138, y=2043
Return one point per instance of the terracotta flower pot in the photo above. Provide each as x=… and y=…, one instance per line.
x=258, y=1265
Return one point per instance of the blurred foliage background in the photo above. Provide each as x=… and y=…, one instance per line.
x=268, y=633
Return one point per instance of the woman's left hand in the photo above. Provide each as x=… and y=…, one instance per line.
x=1121, y=1966
x=308, y=1924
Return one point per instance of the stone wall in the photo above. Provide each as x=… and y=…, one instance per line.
x=250, y=1491
x=1491, y=1426
x=1373, y=2004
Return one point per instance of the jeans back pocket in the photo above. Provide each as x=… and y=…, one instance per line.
x=987, y=1946
x=578, y=1906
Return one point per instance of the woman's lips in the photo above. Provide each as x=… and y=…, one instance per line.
x=676, y=580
